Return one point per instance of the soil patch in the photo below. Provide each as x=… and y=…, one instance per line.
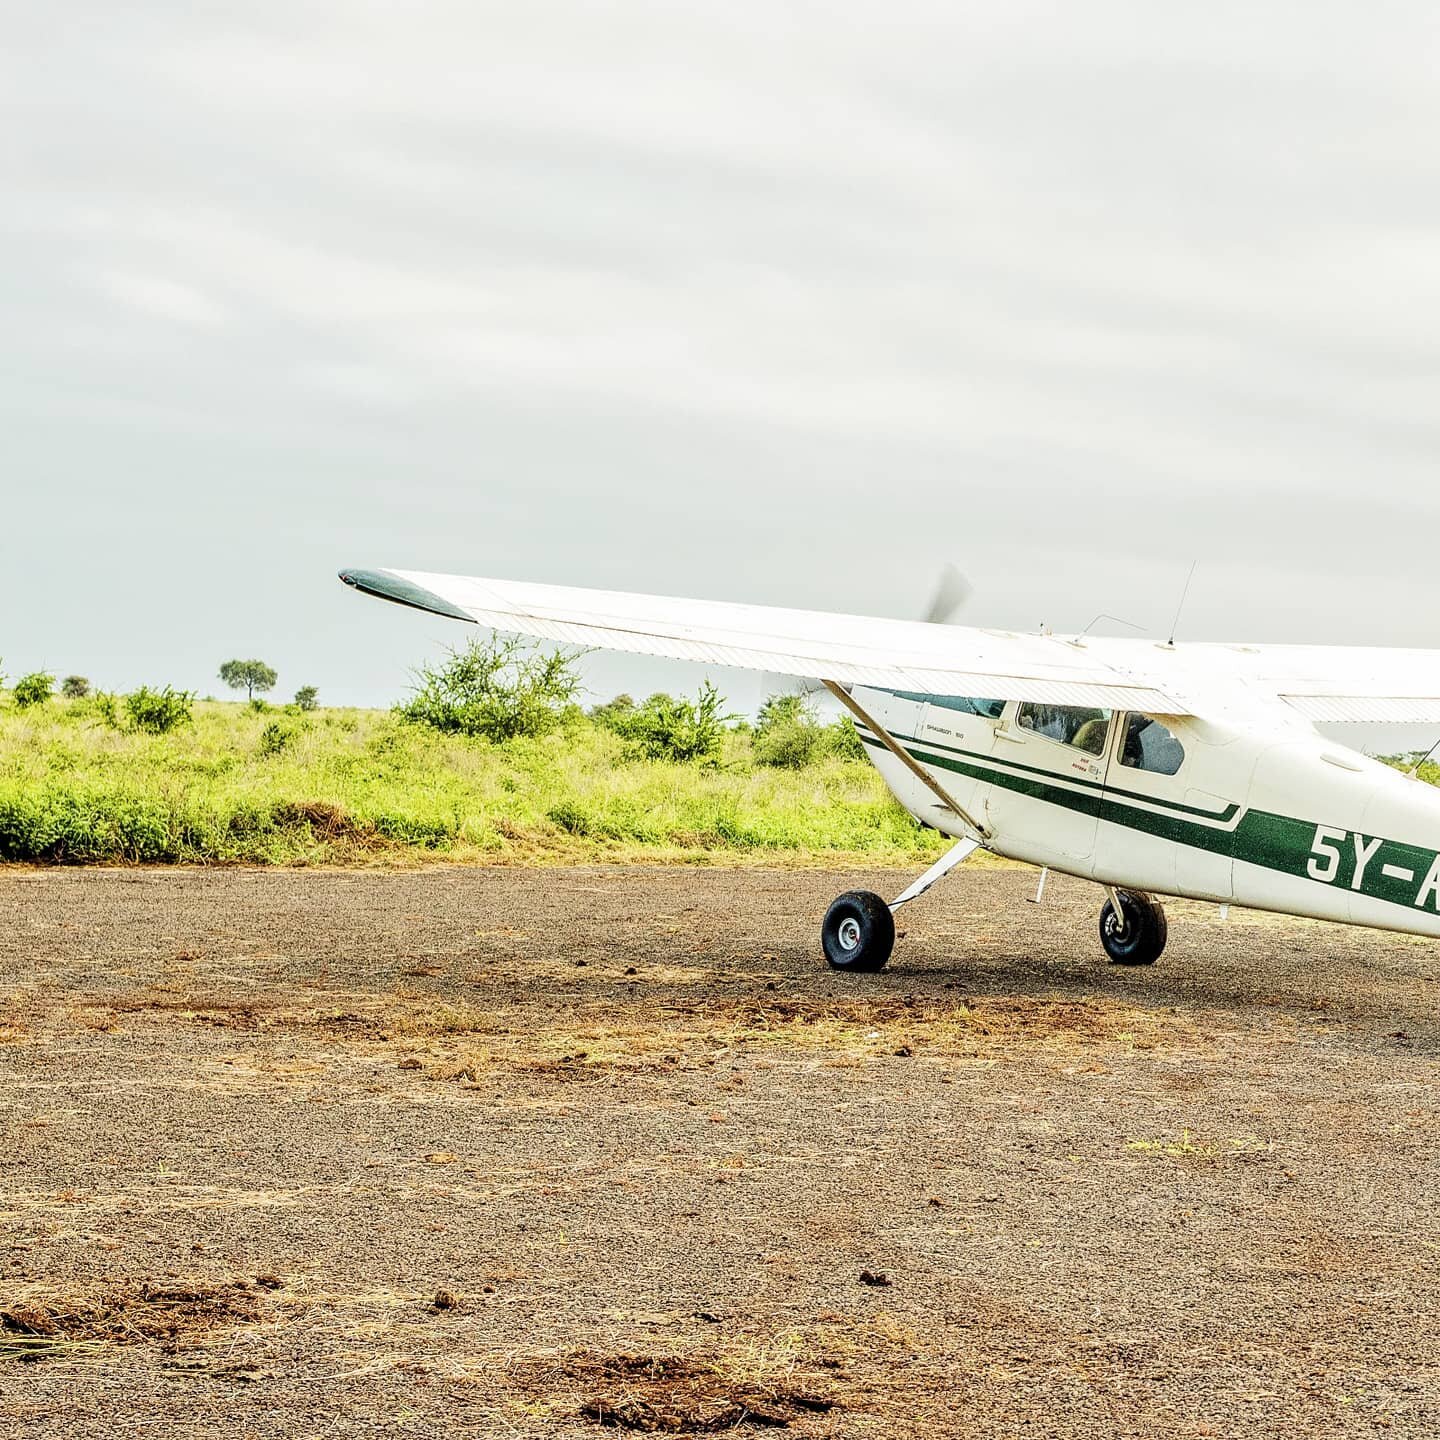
x=692, y=1395
x=40, y=1326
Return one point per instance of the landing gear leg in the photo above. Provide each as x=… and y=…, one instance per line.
x=859, y=929
x=1132, y=928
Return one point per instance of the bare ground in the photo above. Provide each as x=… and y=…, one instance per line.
x=600, y=1151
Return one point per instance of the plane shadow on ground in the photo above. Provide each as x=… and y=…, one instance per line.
x=1267, y=980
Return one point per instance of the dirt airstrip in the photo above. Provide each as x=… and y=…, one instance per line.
x=604, y=1151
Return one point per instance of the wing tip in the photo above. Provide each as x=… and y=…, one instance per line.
x=387, y=585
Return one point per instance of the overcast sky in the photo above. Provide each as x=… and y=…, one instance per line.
x=784, y=302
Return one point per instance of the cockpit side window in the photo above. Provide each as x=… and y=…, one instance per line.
x=986, y=709
x=1078, y=725
x=1148, y=745
x=965, y=704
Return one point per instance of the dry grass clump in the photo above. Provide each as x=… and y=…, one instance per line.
x=431, y=1019
x=228, y=1011
x=632, y=1030
x=384, y=1016
x=1188, y=1148
x=906, y=1025
x=856, y=1030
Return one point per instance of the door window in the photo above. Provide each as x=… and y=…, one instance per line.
x=1078, y=725
x=1148, y=745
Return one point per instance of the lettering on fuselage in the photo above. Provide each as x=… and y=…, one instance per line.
x=1360, y=862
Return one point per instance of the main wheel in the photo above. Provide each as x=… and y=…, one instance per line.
x=1141, y=938
x=859, y=932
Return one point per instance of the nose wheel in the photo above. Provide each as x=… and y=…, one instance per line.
x=859, y=929
x=858, y=933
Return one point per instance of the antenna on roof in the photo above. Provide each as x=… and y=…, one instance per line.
x=1118, y=619
x=1079, y=641
x=1180, y=608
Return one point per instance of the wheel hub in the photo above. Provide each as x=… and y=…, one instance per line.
x=849, y=933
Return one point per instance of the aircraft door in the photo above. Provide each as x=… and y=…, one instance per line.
x=1160, y=830
x=1048, y=769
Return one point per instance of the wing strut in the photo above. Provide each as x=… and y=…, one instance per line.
x=906, y=759
x=957, y=854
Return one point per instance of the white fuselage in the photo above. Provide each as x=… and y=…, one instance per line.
x=1273, y=819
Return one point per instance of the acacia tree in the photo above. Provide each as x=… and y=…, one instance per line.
x=249, y=676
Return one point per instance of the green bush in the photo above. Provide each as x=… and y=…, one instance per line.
x=157, y=712
x=790, y=745
x=571, y=817
x=60, y=822
x=307, y=697
x=842, y=740
x=362, y=785
x=790, y=737
x=680, y=730
x=34, y=689
x=275, y=738
x=497, y=689
x=74, y=687
x=786, y=735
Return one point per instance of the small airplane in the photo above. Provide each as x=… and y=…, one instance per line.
x=1153, y=769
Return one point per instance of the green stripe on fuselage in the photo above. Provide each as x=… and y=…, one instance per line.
x=1220, y=817
x=1274, y=842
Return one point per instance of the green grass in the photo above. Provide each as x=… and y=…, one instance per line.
x=359, y=786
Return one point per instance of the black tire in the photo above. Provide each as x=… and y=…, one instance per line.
x=858, y=933
x=1143, y=938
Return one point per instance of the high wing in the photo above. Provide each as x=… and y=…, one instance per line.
x=848, y=649
x=1313, y=682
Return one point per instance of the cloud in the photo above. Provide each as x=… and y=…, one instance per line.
x=159, y=297
x=790, y=303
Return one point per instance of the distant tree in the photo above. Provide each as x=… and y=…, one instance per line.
x=74, y=687
x=307, y=697
x=34, y=689
x=613, y=713
x=248, y=675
